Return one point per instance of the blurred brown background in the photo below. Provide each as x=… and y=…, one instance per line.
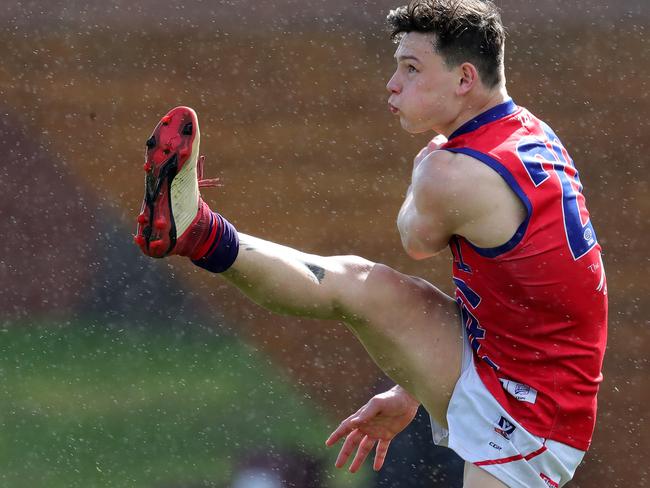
x=292, y=103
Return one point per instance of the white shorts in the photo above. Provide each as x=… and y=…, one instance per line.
x=483, y=433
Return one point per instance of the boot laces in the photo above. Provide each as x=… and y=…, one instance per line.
x=205, y=182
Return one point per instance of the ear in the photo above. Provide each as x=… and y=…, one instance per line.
x=469, y=78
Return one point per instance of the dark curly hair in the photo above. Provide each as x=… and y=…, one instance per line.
x=464, y=30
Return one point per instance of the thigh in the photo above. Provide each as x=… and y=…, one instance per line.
x=412, y=331
x=475, y=477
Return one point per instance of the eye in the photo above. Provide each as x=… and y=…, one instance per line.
x=411, y=69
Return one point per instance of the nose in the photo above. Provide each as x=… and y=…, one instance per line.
x=393, y=85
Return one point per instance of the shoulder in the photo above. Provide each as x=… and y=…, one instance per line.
x=445, y=177
x=473, y=199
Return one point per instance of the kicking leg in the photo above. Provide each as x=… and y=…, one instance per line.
x=410, y=328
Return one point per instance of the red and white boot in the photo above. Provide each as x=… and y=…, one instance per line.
x=174, y=219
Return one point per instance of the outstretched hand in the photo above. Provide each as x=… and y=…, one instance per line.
x=377, y=422
x=433, y=145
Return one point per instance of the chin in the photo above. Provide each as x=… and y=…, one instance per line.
x=414, y=129
x=411, y=126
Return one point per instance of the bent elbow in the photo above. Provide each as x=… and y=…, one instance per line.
x=418, y=255
x=416, y=251
x=419, y=250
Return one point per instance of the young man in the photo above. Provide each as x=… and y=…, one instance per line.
x=509, y=370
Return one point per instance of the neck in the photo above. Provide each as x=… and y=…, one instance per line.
x=475, y=108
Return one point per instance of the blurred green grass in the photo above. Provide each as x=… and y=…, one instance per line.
x=94, y=406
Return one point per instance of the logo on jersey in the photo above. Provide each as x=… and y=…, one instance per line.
x=505, y=428
x=602, y=286
x=549, y=482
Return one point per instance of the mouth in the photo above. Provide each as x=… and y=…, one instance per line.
x=393, y=108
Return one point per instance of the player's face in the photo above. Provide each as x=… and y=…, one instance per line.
x=422, y=90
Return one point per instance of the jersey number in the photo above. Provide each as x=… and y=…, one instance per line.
x=475, y=333
x=541, y=157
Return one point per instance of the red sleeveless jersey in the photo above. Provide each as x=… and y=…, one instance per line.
x=534, y=308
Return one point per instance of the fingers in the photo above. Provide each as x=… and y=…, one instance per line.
x=423, y=153
x=380, y=454
x=350, y=444
x=358, y=440
x=355, y=438
x=366, y=412
x=365, y=446
x=433, y=145
x=347, y=426
x=436, y=142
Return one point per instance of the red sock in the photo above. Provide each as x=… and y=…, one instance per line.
x=200, y=235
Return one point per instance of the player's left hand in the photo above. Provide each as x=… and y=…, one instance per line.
x=377, y=422
x=433, y=145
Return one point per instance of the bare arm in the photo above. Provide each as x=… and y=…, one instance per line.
x=453, y=194
x=425, y=221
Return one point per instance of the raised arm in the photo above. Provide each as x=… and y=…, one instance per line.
x=453, y=194
x=426, y=221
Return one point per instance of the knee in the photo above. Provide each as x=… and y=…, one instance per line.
x=408, y=294
x=349, y=287
x=369, y=287
x=353, y=269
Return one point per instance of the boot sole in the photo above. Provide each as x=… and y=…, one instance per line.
x=171, y=192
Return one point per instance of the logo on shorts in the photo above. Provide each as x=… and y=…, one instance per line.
x=549, y=481
x=505, y=428
x=520, y=391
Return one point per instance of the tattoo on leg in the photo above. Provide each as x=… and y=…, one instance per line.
x=317, y=271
